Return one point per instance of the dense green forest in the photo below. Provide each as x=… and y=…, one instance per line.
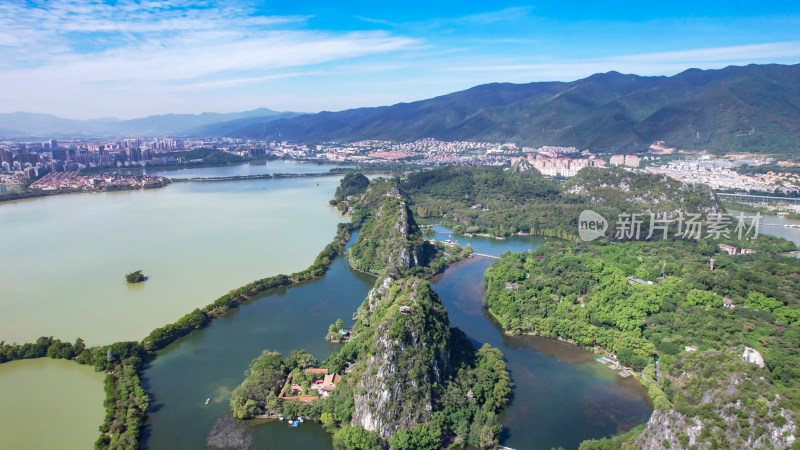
x=390, y=242
x=401, y=354
x=648, y=301
x=502, y=201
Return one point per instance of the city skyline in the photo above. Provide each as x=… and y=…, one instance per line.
x=134, y=59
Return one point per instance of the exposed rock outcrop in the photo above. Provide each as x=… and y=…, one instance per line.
x=753, y=357
x=725, y=402
x=408, y=328
x=643, y=191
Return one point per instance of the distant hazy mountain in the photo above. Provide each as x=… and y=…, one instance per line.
x=21, y=124
x=755, y=108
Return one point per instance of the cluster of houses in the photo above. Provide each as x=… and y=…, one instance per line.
x=731, y=250
x=322, y=386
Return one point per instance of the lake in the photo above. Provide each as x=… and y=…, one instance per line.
x=54, y=403
x=572, y=397
x=248, y=169
x=774, y=225
x=64, y=257
x=211, y=362
x=560, y=395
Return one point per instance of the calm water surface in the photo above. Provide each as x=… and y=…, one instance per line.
x=560, y=396
x=49, y=403
x=251, y=168
x=63, y=258
x=774, y=225
x=489, y=246
x=211, y=362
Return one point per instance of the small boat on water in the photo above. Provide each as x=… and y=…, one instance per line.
x=295, y=424
x=208, y=400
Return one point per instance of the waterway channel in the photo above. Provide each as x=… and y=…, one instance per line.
x=560, y=396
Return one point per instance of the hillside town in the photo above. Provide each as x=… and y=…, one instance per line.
x=720, y=174
x=26, y=162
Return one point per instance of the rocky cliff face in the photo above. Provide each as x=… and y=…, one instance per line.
x=390, y=243
x=406, y=329
x=643, y=191
x=721, y=400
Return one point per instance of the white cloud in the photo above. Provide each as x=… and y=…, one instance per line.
x=644, y=64
x=79, y=52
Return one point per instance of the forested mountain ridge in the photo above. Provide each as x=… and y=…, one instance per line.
x=755, y=108
x=414, y=381
x=390, y=242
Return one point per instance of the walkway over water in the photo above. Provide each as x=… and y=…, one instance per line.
x=452, y=244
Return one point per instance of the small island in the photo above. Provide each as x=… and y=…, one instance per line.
x=135, y=277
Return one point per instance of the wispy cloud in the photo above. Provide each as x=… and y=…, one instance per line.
x=73, y=49
x=642, y=64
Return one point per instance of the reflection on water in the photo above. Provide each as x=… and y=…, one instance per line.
x=211, y=362
x=489, y=246
x=561, y=396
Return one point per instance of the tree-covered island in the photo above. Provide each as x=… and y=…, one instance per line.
x=135, y=277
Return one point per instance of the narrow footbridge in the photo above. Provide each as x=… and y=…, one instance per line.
x=485, y=255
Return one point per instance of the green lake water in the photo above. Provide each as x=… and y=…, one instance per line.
x=50, y=404
x=560, y=395
x=211, y=362
x=63, y=258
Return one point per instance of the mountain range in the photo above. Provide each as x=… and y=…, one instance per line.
x=22, y=124
x=751, y=108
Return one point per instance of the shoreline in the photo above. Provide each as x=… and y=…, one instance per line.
x=31, y=194
x=25, y=195
x=173, y=332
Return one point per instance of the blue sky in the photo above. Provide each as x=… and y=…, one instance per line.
x=128, y=59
